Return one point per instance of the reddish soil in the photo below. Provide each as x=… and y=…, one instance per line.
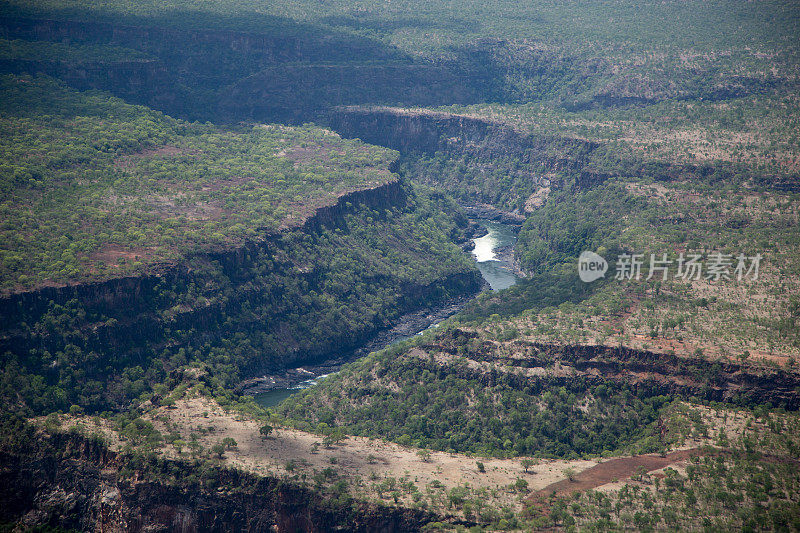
x=623, y=468
x=110, y=254
x=608, y=471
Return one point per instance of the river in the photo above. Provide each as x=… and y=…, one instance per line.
x=492, y=253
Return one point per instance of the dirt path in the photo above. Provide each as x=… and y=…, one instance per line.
x=608, y=471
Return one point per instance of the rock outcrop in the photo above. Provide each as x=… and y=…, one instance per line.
x=72, y=482
x=656, y=373
x=257, y=299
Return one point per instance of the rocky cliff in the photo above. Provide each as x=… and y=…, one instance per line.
x=284, y=72
x=266, y=305
x=72, y=482
x=654, y=373
x=137, y=81
x=430, y=132
x=587, y=162
x=128, y=293
x=476, y=160
x=482, y=161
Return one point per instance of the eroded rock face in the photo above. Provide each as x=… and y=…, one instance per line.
x=721, y=381
x=278, y=74
x=70, y=482
x=429, y=132
x=537, y=199
x=549, y=161
x=131, y=320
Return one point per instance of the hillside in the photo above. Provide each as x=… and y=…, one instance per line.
x=134, y=244
x=557, y=368
x=637, y=375
x=727, y=337
x=203, y=201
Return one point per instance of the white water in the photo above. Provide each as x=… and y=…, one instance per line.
x=498, y=273
x=485, y=246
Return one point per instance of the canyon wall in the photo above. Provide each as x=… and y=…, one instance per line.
x=285, y=72
x=73, y=482
x=653, y=373
x=486, y=159
x=255, y=308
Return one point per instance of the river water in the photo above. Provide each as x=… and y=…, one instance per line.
x=492, y=253
x=276, y=396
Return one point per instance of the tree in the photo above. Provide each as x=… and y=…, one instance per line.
x=265, y=431
x=334, y=437
x=179, y=444
x=526, y=464
x=640, y=473
x=219, y=450
x=195, y=447
x=425, y=455
x=229, y=443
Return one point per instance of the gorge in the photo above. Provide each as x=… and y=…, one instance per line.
x=313, y=266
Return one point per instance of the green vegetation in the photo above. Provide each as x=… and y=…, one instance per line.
x=755, y=134
x=92, y=187
x=553, y=237
x=296, y=299
x=505, y=181
x=415, y=401
x=514, y=156
x=19, y=49
x=593, y=54
x=40, y=456
x=145, y=257
x=728, y=316
x=480, y=396
x=417, y=25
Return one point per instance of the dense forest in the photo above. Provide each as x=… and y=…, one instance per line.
x=419, y=403
x=414, y=54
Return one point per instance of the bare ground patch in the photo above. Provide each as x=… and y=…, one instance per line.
x=364, y=463
x=611, y=471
